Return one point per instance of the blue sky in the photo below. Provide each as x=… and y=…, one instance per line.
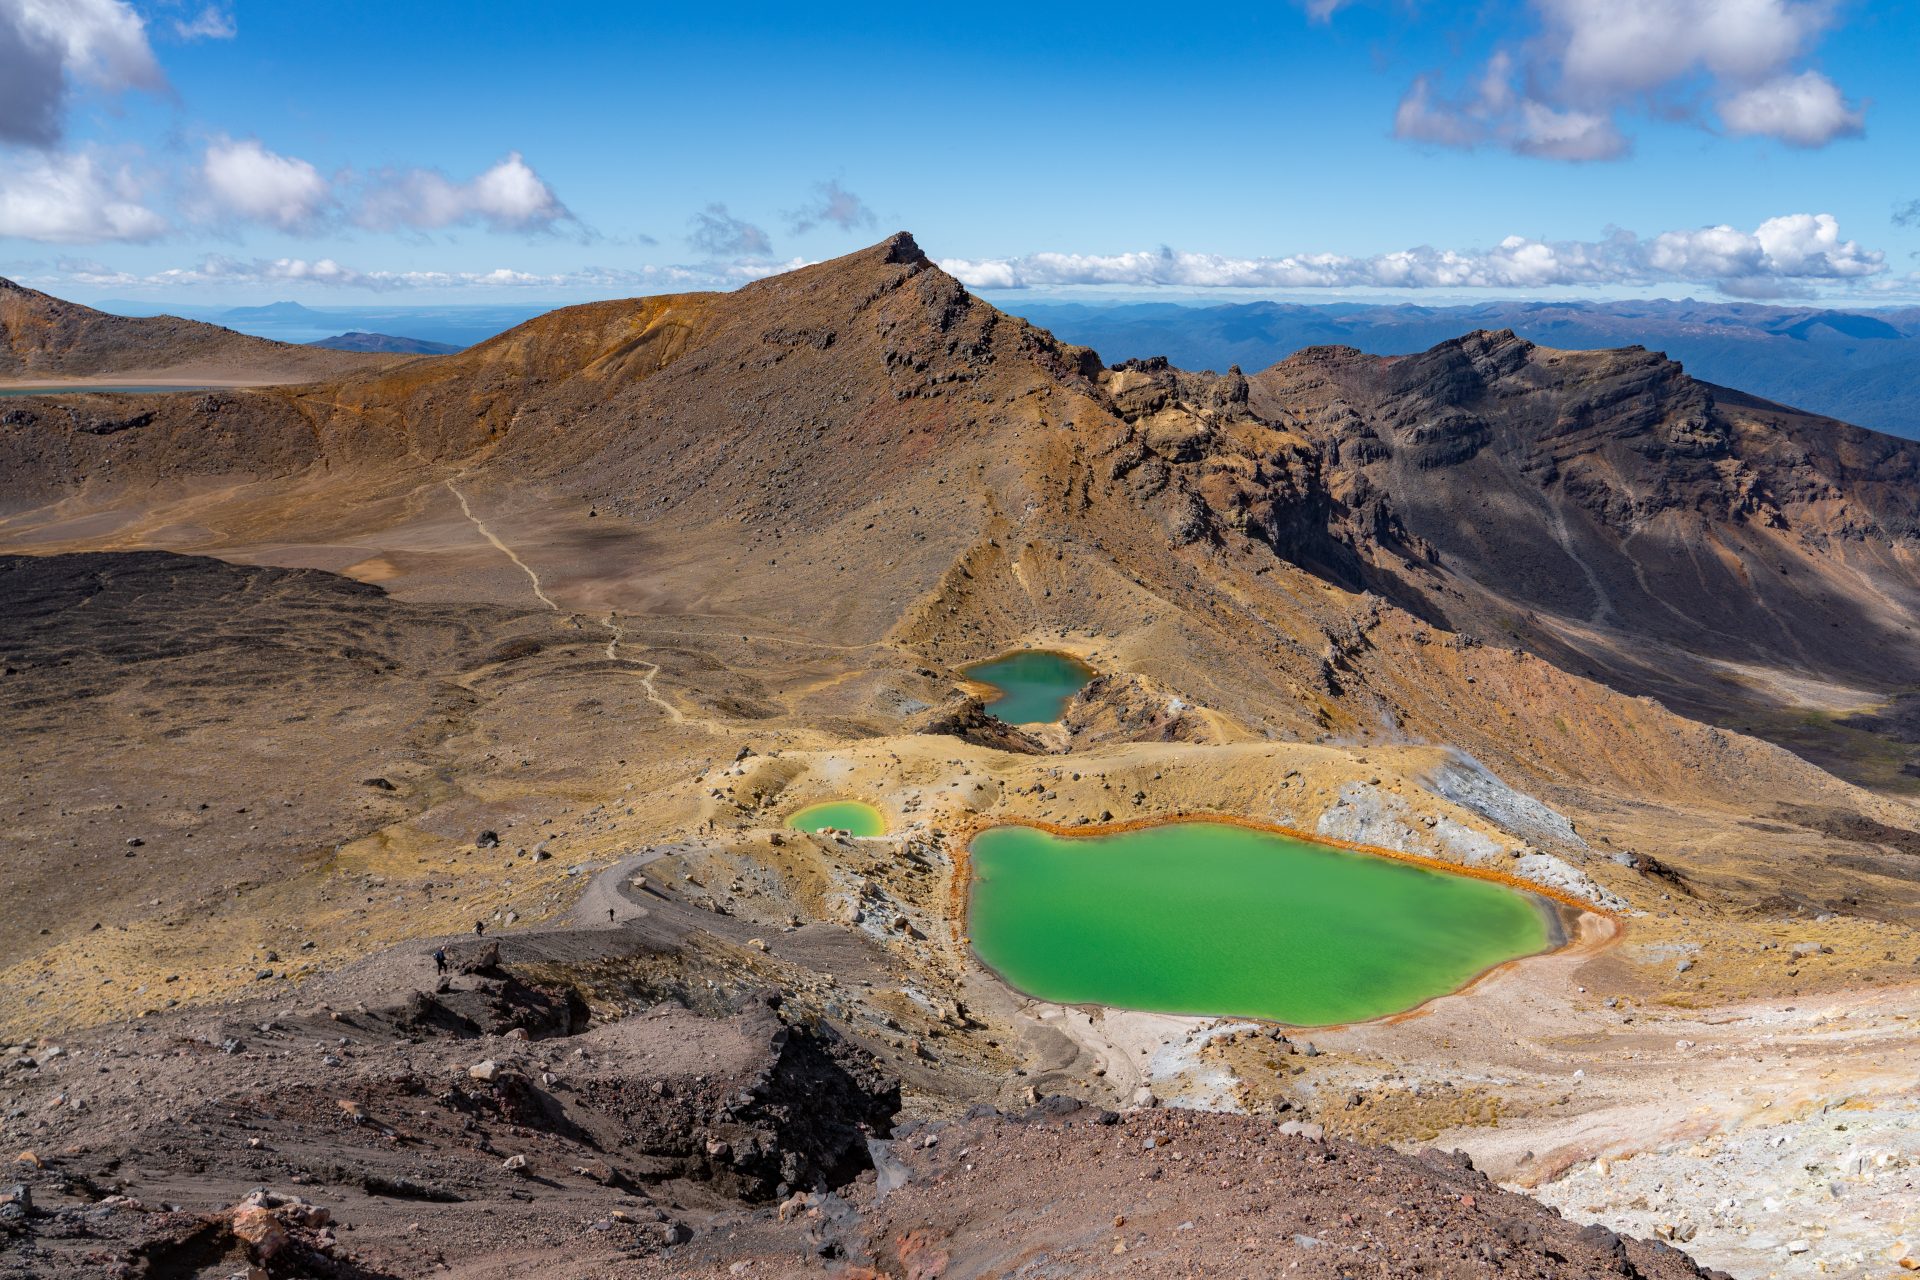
x=333, y=153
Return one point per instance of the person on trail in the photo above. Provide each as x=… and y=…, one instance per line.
x=609, y=915
x=479, y=928
x=439, y=959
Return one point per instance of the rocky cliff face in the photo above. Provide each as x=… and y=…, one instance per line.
x=1605, y=489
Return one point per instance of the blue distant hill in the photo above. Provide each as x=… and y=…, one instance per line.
x=453, y=326
x=385, y=342
x=284, y=312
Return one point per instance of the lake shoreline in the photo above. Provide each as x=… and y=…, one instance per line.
x=1568, y=922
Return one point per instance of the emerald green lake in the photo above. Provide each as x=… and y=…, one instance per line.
x=842, y=815
x=1209, y=918
x=1034, y=684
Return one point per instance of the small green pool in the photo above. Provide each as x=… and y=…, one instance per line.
x=842, y=815
x=1210, y=918
x=1034, y=684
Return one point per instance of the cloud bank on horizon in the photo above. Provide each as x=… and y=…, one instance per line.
x=1780, y=258
x=103, y=148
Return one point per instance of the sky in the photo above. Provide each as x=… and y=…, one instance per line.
x=242, y=151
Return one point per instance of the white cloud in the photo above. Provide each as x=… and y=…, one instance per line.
x=719, y=233
x=1607, y=49
x=47, y=45
x=1495, y=114
x=1566, y=135
x=211, y=23
x=1557, y=90
x=1805, y=110
x=246, y=180
x=835, y=204
x=510, y=196
x=219, y=271
x=1782, y=254
x=71, y=199
x=1421, y=117
x=1809, y=244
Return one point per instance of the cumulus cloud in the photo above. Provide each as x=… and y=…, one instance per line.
x=211, y=23
x=1557, y=90
x=73, y=199
x=720, y=234
x=229, y=273
x=1805, y=110
x=835, y=204
x=47, y=46
x=510, y=196
x=1782, y=255
x=1494, y=113
x=245, y=180
x=1606, y=48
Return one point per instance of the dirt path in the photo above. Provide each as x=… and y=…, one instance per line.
x=602, y=904
x=653, y=669
x=502, y=547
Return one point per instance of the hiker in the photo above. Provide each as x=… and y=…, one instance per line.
x=609, y=915
x=479, y=928
x=439, y=959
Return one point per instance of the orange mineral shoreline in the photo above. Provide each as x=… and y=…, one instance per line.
x=1615, y=926
x=963, y=858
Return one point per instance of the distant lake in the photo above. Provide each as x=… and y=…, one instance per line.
x=1034, y=685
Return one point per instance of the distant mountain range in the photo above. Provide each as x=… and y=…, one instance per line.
x=1860, y=366
x=455, y=327
x=385, y=342
x=47, y=338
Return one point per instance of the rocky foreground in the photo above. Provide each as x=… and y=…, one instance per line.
x=477, y=1125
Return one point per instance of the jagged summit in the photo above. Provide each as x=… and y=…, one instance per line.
x=902, y=247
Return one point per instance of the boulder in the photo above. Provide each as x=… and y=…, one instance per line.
x=264, y=1235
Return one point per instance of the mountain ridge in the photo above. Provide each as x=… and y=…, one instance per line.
x=1615, y=495
x=46, y=337
x=386, y=343
x=1852, y=365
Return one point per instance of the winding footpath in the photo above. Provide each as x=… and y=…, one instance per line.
x=502, y=547
x=653, y=669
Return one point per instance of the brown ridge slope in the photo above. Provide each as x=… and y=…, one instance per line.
x=863, y=447
x=43, y=338
x=1609, y=491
